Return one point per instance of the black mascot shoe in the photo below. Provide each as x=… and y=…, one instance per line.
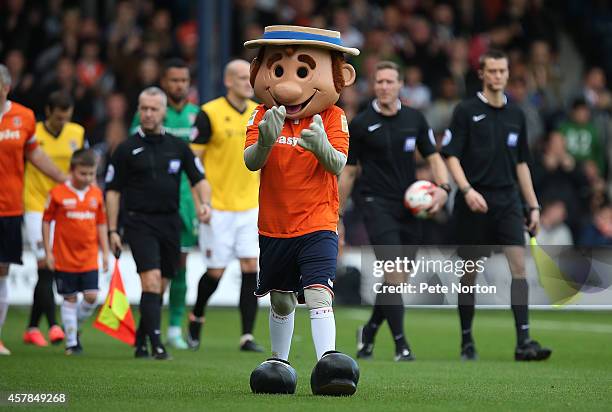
x=335, y=374
x=274, y=376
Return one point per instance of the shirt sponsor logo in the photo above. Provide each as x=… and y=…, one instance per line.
x=73, y=214
x=512, y=139
x=409, y=144
x=478, y=118
x=9, y=134
x=291, y=141
x=174, y=166
x=373, y=127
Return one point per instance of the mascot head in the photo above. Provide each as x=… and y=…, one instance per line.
x=301, y=68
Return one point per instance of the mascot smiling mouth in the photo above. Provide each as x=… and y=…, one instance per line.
x=293, y=108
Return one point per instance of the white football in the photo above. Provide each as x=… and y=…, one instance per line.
x=417, y=199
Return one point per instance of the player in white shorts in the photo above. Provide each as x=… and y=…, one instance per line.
x=232, y=232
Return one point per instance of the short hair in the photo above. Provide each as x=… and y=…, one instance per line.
x=5, y=76
x=83, y=157
x=388, y=64
x=173, y=63
x=491, y=54
x=59, y=100
x=154, y=91
x=579, y=102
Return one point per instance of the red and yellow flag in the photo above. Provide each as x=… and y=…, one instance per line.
x=115, y=316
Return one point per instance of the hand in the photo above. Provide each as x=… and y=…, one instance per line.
x=533, y=224
x=476, y=202
x=50, y=261
x=115, y=243
x=105, y=262
x=271, y=125
x=205, y=212
x=438, y=199
x=314, y=139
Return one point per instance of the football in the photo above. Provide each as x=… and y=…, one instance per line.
x=417, y=199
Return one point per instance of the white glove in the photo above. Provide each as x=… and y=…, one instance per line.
x=314, y=139
x=271, y=125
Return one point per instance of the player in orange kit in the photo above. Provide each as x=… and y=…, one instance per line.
x=17, y=144
x=77, y=207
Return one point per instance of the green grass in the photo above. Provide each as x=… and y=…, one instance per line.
x=106, y=377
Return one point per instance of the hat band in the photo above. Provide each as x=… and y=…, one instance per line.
x=296, y=35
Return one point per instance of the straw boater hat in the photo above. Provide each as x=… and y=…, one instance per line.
x=289, y=35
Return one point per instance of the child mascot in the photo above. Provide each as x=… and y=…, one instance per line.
x=299, y=140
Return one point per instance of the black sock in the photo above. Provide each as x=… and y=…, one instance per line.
x=141, y=335
x=466, y=315
x=519, y=294
x=392, y=306
x=206, y=287
x=44, y=300
x=248, y=301
x=150, y=309
x=377, y=318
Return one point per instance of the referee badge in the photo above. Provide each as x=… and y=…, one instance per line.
x=512, y=139
x=409, y=144
x=174, y=166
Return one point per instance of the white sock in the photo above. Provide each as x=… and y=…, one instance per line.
x=85, y=310
x=281, y=332
x=323, y=328
x=174, y=332
x=3, y=299
x=70, y=321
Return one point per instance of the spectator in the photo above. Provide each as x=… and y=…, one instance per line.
x=414, y=93
x=517, y=89
x=440, y=113
x=599, y=231
x=553, y=230
x=582, y=139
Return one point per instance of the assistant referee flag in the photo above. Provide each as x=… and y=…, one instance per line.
x=115, y=316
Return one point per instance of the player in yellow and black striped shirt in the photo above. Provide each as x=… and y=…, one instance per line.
x=58, y=138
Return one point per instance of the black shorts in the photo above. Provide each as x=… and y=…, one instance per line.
x=11, y=242
x=155, y=241
x=393, y=231
x=71, y=283
x=293, y=264
x=503, y=224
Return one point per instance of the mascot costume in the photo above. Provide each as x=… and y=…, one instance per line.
x=299, y=140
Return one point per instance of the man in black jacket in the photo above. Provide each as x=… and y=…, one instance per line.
x=146, y=169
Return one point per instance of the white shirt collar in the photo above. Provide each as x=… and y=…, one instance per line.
x=483, y=98
x=80, y=193
x=376, y=106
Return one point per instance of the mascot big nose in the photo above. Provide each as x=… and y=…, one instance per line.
x=289, y=92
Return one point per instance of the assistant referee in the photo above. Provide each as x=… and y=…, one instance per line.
x=146, y=170
x=487, y=154
x=384, y=141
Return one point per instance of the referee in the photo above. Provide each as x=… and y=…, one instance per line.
x=146, y=170
x=384, y=141
x=487, y=154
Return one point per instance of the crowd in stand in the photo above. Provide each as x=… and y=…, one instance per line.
x=105, y=53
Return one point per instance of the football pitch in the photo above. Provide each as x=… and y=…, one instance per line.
x=106, y=377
